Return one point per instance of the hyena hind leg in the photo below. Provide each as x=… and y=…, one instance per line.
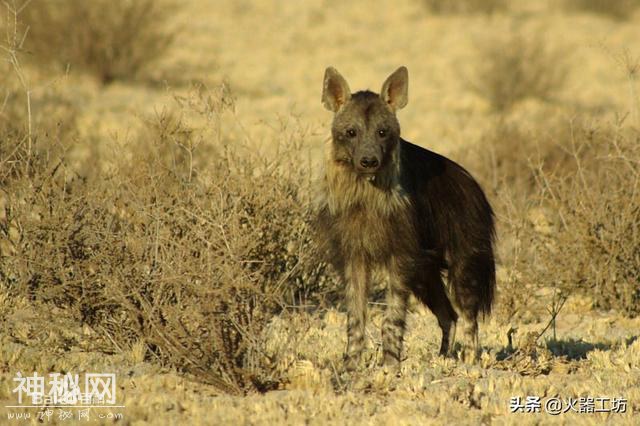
x=433, y=294
x=473, y=283
x=469, y=307
x=471, y=347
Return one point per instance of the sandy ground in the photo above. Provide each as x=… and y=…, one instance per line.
x=273, y=55
x=594, y=356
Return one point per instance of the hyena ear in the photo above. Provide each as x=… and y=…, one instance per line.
x=335, y=91
x=395, y=89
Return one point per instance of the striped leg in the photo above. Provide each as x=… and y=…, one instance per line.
x=469, y=293
x=472, y=350
x=394, y=323
x=357, y=286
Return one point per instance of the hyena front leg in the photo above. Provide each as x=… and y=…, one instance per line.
x=357, y=289
x=394, y=323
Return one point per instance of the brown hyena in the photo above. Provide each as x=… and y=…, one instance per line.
x=391, y=208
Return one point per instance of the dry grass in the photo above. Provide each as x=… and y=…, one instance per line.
x=596, y=212
x=620, y=10
x=191, y=264
x=508, y=150
x=112, y=40
x=567, y=197
x=445, y=7
x=182, y=249
x=52, y=127
x=517, y=65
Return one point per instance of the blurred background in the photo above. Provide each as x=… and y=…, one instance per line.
x=467, y=59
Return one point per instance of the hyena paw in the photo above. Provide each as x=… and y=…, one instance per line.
x=468, y=354
x=358, y=361
x=354, y=362
x=391, y=365
x=350, y=363
x=389, y=360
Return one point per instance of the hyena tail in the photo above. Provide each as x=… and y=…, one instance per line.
x=488, y=284
x=473, y=282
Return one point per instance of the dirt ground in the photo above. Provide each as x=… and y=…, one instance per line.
x=273, y=55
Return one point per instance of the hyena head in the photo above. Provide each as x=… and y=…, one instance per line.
x=365, y=129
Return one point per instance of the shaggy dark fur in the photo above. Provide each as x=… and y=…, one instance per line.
x=390, y=208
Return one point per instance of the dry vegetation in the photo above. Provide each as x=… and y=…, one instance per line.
x=569, y=193
x=110, y=39
x=515, y=66
x=177, y=253
x=191, y=263
x=616, y=9
x=443, y=7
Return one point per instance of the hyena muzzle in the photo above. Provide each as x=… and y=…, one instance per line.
x=389, y=208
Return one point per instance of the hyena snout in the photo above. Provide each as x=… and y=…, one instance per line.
x=368, y=160
x=369, y=163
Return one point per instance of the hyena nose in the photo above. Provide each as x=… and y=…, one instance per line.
x=369, y=162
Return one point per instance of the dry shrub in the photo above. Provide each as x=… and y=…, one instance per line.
x=448, y=7
x=111, y=39
x=515, y=66
x=507, y=152
x=34, y=131
x=620, y=10
x=567, y=200
x=189, y=245
x=595, y=246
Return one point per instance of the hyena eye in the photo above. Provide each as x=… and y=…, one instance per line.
x=352, y=133
x=382, y=133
